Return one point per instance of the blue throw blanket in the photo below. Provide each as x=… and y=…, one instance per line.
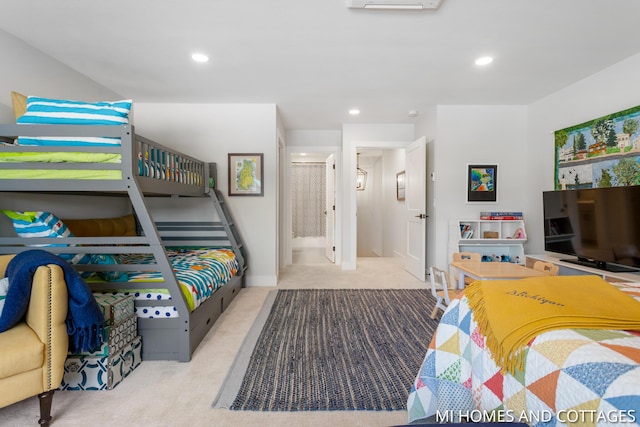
x=85, y=321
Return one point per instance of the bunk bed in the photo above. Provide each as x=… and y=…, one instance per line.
x=158, y=185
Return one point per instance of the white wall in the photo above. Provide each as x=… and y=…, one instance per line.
x=394, y=232
x=209, y=132
x=330, y=138
x=363, y=136
x=29, y=72
x=611, y=90
x=368, y=209
x=482, y=135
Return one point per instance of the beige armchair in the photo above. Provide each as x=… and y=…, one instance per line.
x=34, y=351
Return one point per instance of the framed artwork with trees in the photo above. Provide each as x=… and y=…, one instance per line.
x=603, y=152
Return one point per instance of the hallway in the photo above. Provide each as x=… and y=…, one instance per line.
x=371, y=272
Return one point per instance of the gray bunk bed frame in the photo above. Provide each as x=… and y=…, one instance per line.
x=162, y=338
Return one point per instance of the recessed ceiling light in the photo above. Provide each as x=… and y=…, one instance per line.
x=484, y=60
x=354, y=112
x=200, y=57
x=303, y=154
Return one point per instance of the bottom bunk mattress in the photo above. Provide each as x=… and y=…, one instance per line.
x=200, y=273
x=569, y=377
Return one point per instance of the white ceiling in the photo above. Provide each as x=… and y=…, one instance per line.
x=316, y=59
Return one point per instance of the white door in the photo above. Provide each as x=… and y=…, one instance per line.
x=330, y=208
x=416, y=205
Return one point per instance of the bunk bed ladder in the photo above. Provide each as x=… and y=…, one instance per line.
x=185, y=346
x=230, y=227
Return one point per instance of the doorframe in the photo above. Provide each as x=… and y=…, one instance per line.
x=350, y=221
x=285, y=237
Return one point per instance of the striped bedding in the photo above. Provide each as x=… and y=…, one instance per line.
x=70, y=112
x=200, y=273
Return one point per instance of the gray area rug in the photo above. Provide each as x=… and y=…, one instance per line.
x=332, y=350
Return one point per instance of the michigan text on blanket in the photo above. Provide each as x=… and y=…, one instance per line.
x=541, y=299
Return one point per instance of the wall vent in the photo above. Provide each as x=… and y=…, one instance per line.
x=394, y=4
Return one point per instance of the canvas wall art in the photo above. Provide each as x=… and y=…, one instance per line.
x=603, y=152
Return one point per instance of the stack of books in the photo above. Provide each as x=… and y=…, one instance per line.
x=509, y=215
x=466, y=232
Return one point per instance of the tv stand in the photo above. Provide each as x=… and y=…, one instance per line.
x=601, y=265
x=573, y=266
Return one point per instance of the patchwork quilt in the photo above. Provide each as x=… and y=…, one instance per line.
x=570, y=377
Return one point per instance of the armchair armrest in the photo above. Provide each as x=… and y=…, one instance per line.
x=4, y=261
x=46, y=316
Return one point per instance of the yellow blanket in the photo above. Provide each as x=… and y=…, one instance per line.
x=512, y=312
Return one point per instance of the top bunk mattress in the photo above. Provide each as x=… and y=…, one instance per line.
x=154, y=167
x=63, y=145
x=59, y=157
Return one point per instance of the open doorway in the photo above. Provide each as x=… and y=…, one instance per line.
x=312, y=183
x=380, y=210
x=415, y=241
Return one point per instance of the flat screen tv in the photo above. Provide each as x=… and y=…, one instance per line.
x=598, y=226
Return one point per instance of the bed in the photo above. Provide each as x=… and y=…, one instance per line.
x=183, y=228
x=567, y=377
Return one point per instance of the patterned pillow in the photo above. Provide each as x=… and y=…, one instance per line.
x=109, y=276
x=66, y=112
x=44, y=224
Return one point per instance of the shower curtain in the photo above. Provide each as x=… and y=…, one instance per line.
x=308, y=195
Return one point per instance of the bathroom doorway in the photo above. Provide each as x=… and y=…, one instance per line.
x=312, y=183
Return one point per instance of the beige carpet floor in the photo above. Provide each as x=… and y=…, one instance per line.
x=176, y=394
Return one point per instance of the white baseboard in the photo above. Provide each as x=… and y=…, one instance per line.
x=252, y=280
x=398, y=254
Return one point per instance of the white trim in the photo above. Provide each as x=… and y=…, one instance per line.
x=261, y=281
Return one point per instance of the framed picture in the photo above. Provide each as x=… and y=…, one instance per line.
x=246, y=174
x=400, y=186
x=482, y=183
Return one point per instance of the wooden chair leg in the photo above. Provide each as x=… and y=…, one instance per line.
x=434, y=312
x=45, y=399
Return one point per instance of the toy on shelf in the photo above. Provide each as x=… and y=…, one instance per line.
x=519, y=234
